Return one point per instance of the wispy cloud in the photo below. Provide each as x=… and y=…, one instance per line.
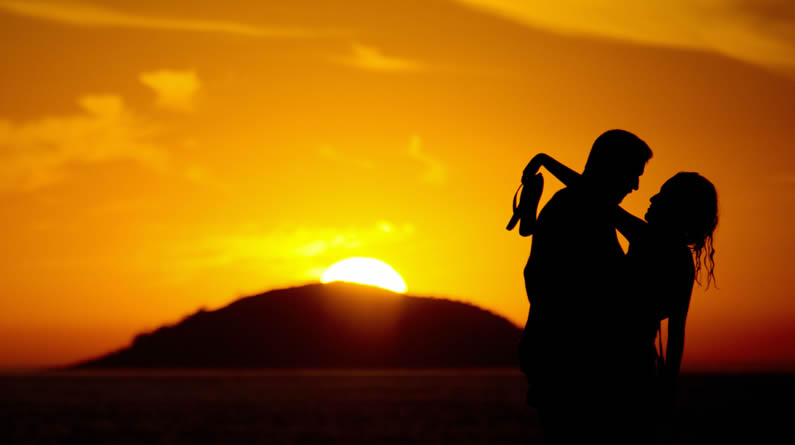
x=176, y=90
x=330, y=240
x=305, y=242
x=36, y=153
x=435, y=172
x=306, y=250
x=87, y=15
x=742, y=29
x=330, y=153
x=371, y=58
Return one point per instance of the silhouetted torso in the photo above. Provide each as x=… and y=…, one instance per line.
x=574, y=282
x=662, y=274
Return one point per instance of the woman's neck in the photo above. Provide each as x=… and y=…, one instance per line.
x=665, y=234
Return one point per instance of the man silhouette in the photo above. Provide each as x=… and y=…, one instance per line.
x=571, y=349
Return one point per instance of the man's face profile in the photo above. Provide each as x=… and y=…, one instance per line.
x=615, y=164
x=626, y=181
x=634, y=180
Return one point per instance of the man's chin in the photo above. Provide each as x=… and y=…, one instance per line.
x=621, y=196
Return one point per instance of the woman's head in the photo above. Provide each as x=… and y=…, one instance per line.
x=687, y=207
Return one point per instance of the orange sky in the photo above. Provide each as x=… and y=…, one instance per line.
x=157, y=157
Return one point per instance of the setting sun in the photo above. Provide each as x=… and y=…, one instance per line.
x=365, y=271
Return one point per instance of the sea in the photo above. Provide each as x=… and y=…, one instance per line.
x=458, y=406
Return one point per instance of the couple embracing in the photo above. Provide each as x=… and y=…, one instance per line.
x=588, y=348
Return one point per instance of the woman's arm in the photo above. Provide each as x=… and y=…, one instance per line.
x=674, y=350
x=533, y=185
x=628, y=224
x=676, y=342
x=528, y=205
x=566, y=175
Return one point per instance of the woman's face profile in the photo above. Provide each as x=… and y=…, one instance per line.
x=671, y=208
x=662, y=208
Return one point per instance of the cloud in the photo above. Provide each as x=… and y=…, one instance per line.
x=370, y=58
x=317, y=244
x=332, y=154
x=325, y=240
x=86, y=15
x=317, y=247
x=435, y=172
x=304, y=251
x=176, y=90
x=756, y=31
x=37, y=153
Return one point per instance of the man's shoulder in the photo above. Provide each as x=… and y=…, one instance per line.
x=564, y=201
x=574, y=209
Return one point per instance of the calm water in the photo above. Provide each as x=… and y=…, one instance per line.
x=350, y=407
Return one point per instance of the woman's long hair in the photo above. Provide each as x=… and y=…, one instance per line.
x=698, y=202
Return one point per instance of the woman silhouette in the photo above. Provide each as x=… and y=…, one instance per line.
x=667, y=253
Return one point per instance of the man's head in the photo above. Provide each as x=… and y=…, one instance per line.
x=616, y=163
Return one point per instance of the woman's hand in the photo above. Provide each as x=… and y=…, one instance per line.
x=532, y=168
x=532, y=187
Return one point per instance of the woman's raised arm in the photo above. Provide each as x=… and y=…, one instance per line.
x=632, y=227
x=534, y=185
x=628, y=224
x=566, y=175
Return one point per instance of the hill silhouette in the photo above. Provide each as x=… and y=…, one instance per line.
x=336, y=325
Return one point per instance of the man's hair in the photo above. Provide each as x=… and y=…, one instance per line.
x=616, y=148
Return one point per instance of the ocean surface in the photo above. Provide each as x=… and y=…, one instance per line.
x=347, y=407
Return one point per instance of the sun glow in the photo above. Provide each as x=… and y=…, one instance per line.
x=365, y=271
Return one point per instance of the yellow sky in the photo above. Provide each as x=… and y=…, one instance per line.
x=159, y=157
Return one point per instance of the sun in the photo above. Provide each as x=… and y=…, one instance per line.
x=365, y=271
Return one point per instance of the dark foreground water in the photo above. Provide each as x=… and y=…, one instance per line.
x=346, y=407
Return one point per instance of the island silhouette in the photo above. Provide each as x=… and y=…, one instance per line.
x=334, y=325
